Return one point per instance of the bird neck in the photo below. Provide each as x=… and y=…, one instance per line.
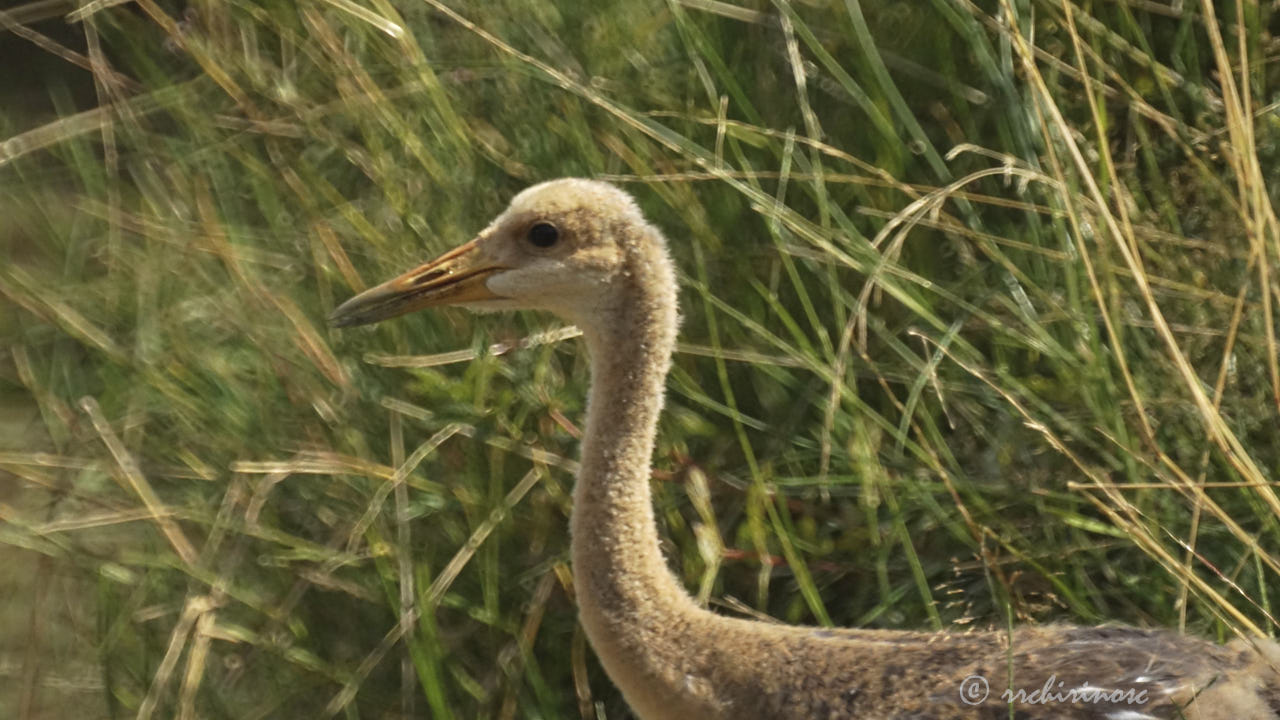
x=627, y=596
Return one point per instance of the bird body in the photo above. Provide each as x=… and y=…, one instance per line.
x=582, y=250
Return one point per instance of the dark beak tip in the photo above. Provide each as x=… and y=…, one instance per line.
x=340, y=319
x=348, y=314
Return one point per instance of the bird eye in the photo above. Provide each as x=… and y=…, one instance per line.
x=543, y=235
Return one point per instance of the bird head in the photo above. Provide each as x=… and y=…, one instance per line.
x=566, y=246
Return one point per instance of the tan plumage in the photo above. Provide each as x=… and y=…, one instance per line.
x=582, y=249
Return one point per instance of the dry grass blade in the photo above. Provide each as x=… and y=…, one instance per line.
x=391, y=28
x=547, y=337
x=428, y=446
x=431, y=596
x=196, y=659
x=137, y=482
x=195, y=609
x=28, y=294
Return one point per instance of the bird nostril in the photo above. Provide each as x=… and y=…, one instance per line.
x=427, y=277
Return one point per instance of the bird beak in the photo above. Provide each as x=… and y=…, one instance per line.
x=454, y=278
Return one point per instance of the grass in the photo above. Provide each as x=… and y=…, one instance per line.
x=979, y=330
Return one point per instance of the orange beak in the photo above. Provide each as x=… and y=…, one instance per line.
x=456, y=277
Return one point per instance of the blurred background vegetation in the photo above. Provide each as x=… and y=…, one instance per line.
x=980, y=312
